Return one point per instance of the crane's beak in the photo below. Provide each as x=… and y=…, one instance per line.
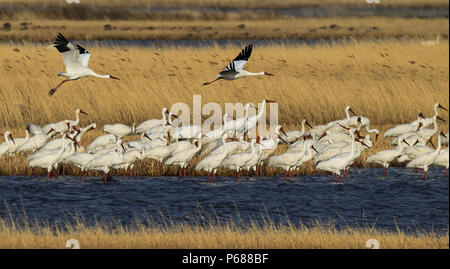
x=308, y=124
x=51, y=130
x=441, y=119
x=268, y=74
x=376, y=137
x=82, y=112
x=281, y=129
x=314, y=149
x=415, y=143
x=352, y=112
x=145, y=135
x=404, y=141
x=10, y=136
x=421, y=115
x=279, y=137
x=440, y=106
x=113, y=77
x=362, y=143
x=346, y=128
x=442, y=133
x=323, y=135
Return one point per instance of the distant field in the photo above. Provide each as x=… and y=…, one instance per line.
x=388, y=82
x=236, y=26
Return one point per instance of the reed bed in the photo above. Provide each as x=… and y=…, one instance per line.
x=388, y=82
x=224, y=235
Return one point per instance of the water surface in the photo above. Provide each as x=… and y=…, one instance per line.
x=403, y=199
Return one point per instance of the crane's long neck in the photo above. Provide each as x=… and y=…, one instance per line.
x=438, y=148
x=225, y=124
x=303, y=127
x=435, y=126
x=99, y=76
x=436, y=113
x=6, y=139
x=225, y=150
x=163, y=116
x=254, y=74
x=347, y=113
x=77, y=118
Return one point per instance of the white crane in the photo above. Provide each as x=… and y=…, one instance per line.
x=384, y=157
x=107, y=160
x=182, y=158
x=80, y=160
x=7, y=145
x=76, y=60
x=235, y=69
x=211, y=162
x=339, y=162
x=102, y=141
x=406, y=128
x=288, y=160
x=425, y=160
x=148, y=124
x=428, y=121
x=49, y=159
x=216, y=134
x=19, y=142
x=237, y=161
x=36, y=141
x=120, y=130
x=252, y=121
x=294, y=135
x=63, y=126
x=442, y=160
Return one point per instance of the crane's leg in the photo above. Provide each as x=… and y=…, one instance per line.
x=285, y=174
x=180, y=171
x=184, y=172
x=445, y=172
x=424, y=175
x=290, y=175
x=131, y=173
x=214, y=178
x=105, y=175
x=52, y=91
x=261, y=170
x=208, y=176
x=31, y=173
x=207, y=83
x=85, y=175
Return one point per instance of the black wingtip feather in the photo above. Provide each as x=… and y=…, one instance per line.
x=245, y=53
x=61, y=43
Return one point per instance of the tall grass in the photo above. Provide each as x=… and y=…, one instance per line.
x=224, y=235
x=388, y=82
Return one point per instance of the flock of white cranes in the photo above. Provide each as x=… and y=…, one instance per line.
x=334, y=147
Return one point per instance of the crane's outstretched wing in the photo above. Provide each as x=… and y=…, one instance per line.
x=238, y=63
x=73, y=56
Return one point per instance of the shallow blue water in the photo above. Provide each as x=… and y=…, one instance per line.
x=403, y=199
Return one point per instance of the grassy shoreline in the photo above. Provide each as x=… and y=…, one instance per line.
x=228, y=235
